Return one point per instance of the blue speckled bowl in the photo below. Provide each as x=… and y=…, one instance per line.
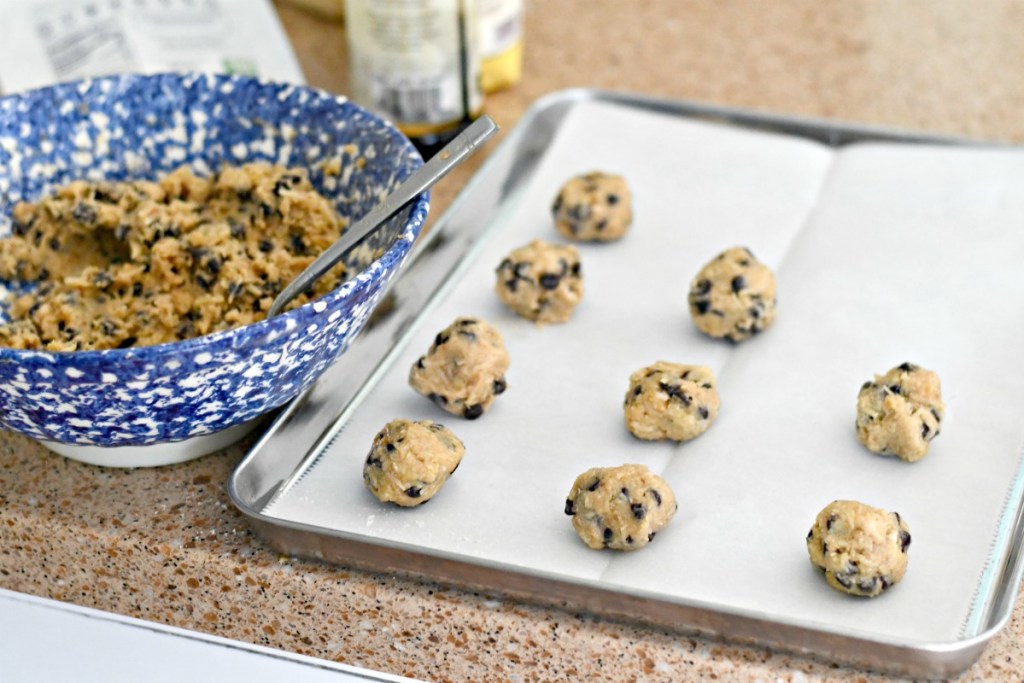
x=143, y=127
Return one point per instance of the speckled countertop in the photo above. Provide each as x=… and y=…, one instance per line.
x=167, y=545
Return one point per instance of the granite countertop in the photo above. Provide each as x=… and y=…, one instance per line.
x=167, y=545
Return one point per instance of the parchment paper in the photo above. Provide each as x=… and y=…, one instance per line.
x=883, y=253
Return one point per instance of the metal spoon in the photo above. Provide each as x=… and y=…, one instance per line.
x=450, y=156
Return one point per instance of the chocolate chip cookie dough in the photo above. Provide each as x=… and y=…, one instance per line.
x=595, y=207
x=621, y=508
x=900, y=412
x=409, y=462
x=464, y=369
x=541, y=281
x=733, y=296
x=861, y=549
x=671, y=401
x=136, y=263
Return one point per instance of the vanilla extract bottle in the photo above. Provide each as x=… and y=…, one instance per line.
x=417, y=63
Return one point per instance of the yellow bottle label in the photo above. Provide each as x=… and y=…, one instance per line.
x=501, y=43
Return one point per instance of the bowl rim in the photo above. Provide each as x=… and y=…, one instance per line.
x=415, y=218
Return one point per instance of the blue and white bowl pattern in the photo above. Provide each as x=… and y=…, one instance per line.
x=122, y=127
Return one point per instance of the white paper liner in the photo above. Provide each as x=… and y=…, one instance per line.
x=883, y=253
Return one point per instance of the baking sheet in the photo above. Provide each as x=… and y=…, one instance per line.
x=884, y=253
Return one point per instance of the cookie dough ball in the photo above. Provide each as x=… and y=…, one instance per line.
x=409, y=462
x=621, y=508
x=671, y=401
x=900, y=412
x=464, y=369
x=862, y=550
x=733, y=296
x=595, y=207
x=541, y=281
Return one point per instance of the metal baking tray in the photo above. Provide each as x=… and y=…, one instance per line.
x=299, y=452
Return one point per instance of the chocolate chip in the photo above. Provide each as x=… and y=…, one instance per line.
x=895, y=388
x=473, y=412
x=84, y=214
x=413, y=491
x=866, y=385
x=499, y=386
x=580, y=212
x=575, y=269
x=657, y=496
x=569, y=508
x=935, y=414
x=843, y=580
x=298, y=244
x=441, y=339
x=650, y=536
x=703, y=412
x=549, y=281
x=266, y=246
x=376, y=462
x=738, y=283
x=706, y=385
x=471, y=336
x=638, y=510
x=675, y=391
x=557, y=204
x=702, y=287
x=54, y=243
x=831, y=521
x=701, y=306
x=390, y=447
x=593, y=486
x=629, y=540
x=925, y=429
x=904, y=540
x=612, y=199
x=867, y=585
x=810, y=533
x=637, y=390
x=907, y=367
x=607, y=534
x=601, y=224
x=126, y=342
x=438, y=399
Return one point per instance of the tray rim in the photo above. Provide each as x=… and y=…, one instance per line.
x=896, y=656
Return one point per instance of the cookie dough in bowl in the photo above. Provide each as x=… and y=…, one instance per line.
x=861, y=549
x=621, y=508
x=140, y=129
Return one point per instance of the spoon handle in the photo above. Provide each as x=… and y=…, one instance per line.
x=437, y=167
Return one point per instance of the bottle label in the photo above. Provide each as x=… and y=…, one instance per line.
x=415, y=61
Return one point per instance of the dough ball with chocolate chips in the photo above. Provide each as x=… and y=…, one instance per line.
x=733, y=296
x=671, y=401
x=541, y=281
x=409, y=462
x=595, y=207
x=464, y=369
x=621, y=508
x=861, y=549
x=900, y=412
